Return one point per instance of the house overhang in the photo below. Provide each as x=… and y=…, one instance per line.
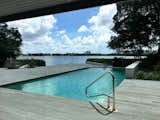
x=11, y=10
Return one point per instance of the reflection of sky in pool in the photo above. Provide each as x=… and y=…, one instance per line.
x=73, y=84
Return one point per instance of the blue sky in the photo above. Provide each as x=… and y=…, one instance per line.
x=71, y=21
x=70, y=32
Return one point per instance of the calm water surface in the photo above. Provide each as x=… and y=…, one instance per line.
x=73, y=84
x=54, y=60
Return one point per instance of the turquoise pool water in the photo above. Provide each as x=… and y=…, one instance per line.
x=73, y=84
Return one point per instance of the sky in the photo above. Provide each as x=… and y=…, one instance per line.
x=69, y=32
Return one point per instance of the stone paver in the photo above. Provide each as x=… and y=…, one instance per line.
x=135, y=100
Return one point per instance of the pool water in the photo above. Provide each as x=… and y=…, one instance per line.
x=73, y=84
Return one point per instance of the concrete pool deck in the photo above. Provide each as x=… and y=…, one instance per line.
x=135, y=100
x=8, y=76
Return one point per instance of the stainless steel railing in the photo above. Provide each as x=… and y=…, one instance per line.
x=109, y=108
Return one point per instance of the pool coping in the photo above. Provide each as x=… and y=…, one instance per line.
x=29, y=80
x=55, y=74
x=68, y=68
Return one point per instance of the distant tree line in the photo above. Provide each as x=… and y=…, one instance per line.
x=65, y=54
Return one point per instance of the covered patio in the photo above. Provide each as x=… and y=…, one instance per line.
x=135, y=99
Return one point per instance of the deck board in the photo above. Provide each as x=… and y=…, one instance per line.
x=135, y=99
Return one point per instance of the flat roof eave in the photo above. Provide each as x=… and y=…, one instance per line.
x=57, y=6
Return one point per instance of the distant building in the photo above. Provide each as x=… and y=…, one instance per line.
x=87, y=52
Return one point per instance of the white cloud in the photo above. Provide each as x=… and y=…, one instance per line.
x=33, y=28
x=38, y=35
x=100, y=30
x=79, y=44
x=35, y=33
x=83, y=28
x=104, y=16
x=62, y=31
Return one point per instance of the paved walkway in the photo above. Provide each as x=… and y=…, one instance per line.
x=8, y=76
x=136, y=100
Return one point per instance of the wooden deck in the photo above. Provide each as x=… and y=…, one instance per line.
x=136, y=100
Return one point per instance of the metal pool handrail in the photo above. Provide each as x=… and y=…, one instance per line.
x=97, y=95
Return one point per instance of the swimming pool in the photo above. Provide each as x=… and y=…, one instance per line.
x=73, y=84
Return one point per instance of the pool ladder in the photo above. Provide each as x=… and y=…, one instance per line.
x=110, y=107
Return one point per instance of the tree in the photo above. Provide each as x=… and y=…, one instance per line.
x=10, y=42
x=137, y=26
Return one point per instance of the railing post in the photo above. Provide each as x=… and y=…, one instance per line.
x=113, y=94
x=113, y=91
x=114, y=103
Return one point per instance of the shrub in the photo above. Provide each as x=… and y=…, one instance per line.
x=140, y=75
x=157, y=67
x=148, y=75
x=120, y=62
x=149, y=69
x=116, y=62
x=31, y=62
x=100, y=60
x=150, y=61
